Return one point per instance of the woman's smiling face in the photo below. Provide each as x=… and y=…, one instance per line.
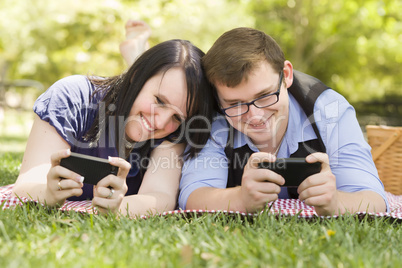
x=160, y=107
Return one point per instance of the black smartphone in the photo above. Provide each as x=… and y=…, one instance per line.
x=293, y=170
x=93, y=169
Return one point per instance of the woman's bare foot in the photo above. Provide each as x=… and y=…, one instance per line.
x=137, y=34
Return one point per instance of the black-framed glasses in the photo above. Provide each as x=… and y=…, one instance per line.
x=261, y=102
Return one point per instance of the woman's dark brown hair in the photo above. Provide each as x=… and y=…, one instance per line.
x=122, y=91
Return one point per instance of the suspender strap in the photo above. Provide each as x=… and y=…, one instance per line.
x=306, y=89
x=237, y=159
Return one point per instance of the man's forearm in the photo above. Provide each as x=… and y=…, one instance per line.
x=216, y=199
x=367, y=201
x=229, y=199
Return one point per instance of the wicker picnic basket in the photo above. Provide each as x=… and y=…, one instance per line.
x=386, y=144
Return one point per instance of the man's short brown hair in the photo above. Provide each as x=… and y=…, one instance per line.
x=237, y=52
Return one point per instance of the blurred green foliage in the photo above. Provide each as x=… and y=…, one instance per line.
x=351, y=45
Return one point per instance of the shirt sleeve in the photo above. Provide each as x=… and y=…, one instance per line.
x=349, y=153
x=68, y=106
x=209, y=168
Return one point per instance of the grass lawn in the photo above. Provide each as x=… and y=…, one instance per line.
x=32, y=236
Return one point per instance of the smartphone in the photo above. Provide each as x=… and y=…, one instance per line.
x=293, y=170
x=93, y=169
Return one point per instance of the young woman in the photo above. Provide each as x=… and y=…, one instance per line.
x=137, y=119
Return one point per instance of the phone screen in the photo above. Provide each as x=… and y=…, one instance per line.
x=93, y=169
x=293, y=170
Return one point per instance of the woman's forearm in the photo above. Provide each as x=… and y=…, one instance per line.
x=147, y=204
x=35, y=191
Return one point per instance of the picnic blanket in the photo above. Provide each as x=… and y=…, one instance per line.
x=283, y=207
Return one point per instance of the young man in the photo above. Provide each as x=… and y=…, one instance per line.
x=269, y=111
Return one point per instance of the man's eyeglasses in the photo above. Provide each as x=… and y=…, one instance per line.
x=261, y=102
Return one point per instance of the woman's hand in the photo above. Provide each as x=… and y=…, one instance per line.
x=61, y=182
x=110, y=191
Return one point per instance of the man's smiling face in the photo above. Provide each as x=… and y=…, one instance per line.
x=264, y=126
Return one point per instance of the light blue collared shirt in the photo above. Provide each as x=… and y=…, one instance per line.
x=349, y=154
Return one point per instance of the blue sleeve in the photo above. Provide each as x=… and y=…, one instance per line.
x=69, y=107
x=209, y=168
x=349, y=153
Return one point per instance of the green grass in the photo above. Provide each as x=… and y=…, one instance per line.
x=9, y=167
x=12, y=144
x=33, y=236
x=15, y=126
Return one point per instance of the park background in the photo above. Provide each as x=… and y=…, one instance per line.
x=353, y=46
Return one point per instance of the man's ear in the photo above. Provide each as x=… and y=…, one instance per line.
x=288, y=73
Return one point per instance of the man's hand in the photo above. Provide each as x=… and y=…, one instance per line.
x=259, y=186
x=319, y=190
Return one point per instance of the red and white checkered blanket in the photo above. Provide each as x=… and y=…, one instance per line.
x=285, y=207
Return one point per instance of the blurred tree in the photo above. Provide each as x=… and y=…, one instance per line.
x=352, y=45
x=199, y=21
x=48, y=40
